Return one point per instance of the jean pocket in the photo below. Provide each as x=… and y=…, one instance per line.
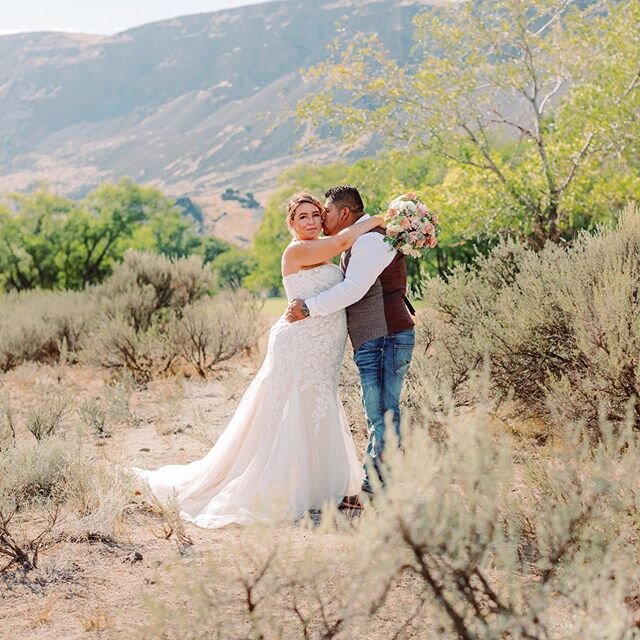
x=402, y=354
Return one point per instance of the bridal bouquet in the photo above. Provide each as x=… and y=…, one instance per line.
x=411, y=227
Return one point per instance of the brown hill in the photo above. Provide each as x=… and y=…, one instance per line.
x=187, y=104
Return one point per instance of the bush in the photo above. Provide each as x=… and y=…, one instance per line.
x=211, y=331
x=34, y=472
x=39, y=326
x=150, y=312
x=202, y=334
x=94, y=415
x=117, y=345
x=47, y=417
x=97, y=495
x=156, y=310
x=559, y=328
x=50, y=479
x=145, y=284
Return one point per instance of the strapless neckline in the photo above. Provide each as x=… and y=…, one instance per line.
x=320, y=266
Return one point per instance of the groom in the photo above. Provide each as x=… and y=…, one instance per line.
x=378, y=318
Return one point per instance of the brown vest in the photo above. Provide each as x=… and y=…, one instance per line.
x=383, y=309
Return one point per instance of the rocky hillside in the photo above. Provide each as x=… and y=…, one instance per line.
x=186, y=104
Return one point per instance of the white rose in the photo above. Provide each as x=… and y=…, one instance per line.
x=406, y=249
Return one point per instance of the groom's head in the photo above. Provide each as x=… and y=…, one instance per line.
x=343, y=206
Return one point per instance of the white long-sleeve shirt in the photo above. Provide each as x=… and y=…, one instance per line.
x=370, y=256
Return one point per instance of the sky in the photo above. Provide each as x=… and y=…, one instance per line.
x=99, y=16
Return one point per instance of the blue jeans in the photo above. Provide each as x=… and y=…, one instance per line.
x=382, y=363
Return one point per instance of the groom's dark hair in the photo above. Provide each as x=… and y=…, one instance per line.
x=345, y=195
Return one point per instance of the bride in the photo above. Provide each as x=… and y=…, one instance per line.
x=287, y=448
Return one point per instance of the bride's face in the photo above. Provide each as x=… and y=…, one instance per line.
x=307, y=222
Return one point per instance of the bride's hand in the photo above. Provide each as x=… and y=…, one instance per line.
x=381, y=221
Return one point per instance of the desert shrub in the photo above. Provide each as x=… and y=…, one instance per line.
x=155, y=311
x=31, y=479
x=150, y=312
x=117, y=345
x=213, y=330
x=450, y=346
x=48, y=415
x=145, y=283
x=94, y=415
x=71, y=314
x=17, y=545
x=500, y=549
x=37, y=325
x=34, y=472
x=559, y=328
x=601, y=295
x=97, y=495
x=470, y=540
x=51, y=490
x=203, y=334
x=171, y=525
x=25, y=338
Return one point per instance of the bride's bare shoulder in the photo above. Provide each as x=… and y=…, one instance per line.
x=288, y=262
x=291, y=250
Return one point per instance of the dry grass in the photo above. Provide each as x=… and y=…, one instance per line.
x=96, y=619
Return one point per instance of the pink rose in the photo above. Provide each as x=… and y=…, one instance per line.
x=432, y=242
x=410, y=196
x=405, y=223
x=428, y=229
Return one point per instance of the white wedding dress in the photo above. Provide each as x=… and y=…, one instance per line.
x=288, y=448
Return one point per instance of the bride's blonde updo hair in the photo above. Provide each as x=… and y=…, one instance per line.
x=295, y=201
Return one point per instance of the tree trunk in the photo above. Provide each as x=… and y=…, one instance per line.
x=552, y=219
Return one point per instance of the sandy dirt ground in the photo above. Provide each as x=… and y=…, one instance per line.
x=94, y=589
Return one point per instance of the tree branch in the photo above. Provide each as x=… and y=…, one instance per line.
x=576, y=163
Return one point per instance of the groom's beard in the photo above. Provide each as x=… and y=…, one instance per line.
x=327, y=232
x=337, y=229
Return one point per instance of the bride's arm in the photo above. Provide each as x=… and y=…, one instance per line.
x=306, y=253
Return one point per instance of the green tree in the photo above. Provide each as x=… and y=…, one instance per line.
x=522, y=100
x=31, y=233
x=211, y=247
x=232, y=267
x=100, y=230
x=49, y=241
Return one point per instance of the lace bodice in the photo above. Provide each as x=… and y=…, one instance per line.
x=309, y=282
x=313, y=347
x=308, y=354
